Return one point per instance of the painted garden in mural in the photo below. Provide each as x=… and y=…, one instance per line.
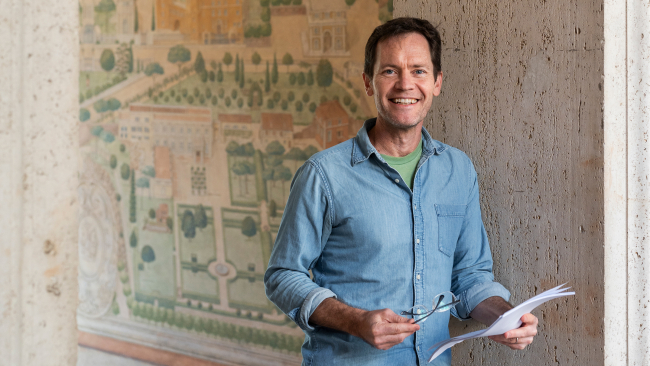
x=195, y=114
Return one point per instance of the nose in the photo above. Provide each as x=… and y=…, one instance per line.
x=405, y=81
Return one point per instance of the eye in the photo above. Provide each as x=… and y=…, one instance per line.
x=419, y=72
x=389, y=72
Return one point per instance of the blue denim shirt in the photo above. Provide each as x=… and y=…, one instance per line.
x=373, y=243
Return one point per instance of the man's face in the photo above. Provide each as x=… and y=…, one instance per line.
x=403, y=84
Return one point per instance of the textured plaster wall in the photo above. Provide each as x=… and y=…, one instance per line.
x=522, y=96
x=38, y=181
x=627, y=198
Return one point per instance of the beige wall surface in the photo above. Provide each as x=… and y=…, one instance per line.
x=38, y=181
x=522, y=96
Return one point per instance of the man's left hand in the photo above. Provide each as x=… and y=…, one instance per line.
x=521, y=337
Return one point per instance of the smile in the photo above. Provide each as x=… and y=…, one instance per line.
x=404, y=101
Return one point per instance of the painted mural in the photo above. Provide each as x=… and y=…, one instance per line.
x=195, y=114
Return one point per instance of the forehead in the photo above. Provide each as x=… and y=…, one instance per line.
x=409, y=47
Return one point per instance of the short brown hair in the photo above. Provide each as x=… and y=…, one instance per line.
x=398, y=27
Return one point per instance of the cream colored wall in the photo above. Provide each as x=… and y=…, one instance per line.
x=522, y=96
x=38, y=181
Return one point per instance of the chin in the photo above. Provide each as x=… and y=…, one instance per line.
x=401, y=123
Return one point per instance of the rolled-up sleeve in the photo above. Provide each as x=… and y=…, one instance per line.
x=472, y=279
x=304, y=230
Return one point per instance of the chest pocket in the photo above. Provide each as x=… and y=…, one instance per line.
x=450, y=222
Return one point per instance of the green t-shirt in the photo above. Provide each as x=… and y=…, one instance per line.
x=406, y=165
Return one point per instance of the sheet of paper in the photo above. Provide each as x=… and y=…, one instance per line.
x=507, y=321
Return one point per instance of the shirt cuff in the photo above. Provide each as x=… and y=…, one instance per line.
x=316, y=296
x=475, y=295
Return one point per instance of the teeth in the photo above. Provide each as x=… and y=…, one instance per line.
x=405, y=101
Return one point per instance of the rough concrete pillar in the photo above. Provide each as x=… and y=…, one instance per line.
x=522, y=96
x=38, y=180
x=627, y=165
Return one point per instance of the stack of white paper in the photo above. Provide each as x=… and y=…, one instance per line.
x=507, y=321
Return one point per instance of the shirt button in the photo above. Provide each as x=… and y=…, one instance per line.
x=417, y=241
x=415, y=207
x=396, y=180
x=418, y=277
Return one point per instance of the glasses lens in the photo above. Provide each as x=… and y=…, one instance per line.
x=444, y=302
x=417, y=312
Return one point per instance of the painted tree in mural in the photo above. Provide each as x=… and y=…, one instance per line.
x=103, y=13
x=248, y=227
x=274, y=71
x=170, y=223
x=153, y=18
x=152, y=69
x=283, y=174
x=220, y=74
x=107, y=60
x=133, y=240
x=124, y=63
x=237, y=67
x=188, y=224
x=296, y=154
x=256, y=59
x=273, y=208
x=102, y=105
x=324, y=73
x=147, y=254
x=267, y=81
x=242, y=77
x=143, y=182
x=201, y=217
x=136, y=22
x=310, y=78
x=84, y=115
x=310, y=150
x=113, y=162
x=179, y=55
x=132, y=202
x=125, y=171
x=287, y=60
x=227, y=59
x=199, y=63
x=243, y=169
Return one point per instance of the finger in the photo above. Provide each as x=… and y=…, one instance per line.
x=527, y=331
x=389, y=341
x=514, y=343
x=399, y=328
x=394, y=318
x=529, y=319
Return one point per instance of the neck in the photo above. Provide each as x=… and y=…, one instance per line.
x=392, y=141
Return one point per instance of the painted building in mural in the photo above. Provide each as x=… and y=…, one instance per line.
x=202, y=21
x=195, y=114
x=327, y=28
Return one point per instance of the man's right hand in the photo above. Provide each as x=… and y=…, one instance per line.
x=382, y=329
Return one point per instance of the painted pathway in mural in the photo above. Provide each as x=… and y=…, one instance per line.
x=195, y=114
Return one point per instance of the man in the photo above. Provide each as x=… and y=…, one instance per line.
x=386, y=221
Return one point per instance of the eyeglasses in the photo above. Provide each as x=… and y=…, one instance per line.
x=442, y=302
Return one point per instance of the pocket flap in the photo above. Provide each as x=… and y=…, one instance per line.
x=451, y=210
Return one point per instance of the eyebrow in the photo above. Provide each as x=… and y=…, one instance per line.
x=416, y=66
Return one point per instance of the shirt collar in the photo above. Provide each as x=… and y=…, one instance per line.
x=362, y=147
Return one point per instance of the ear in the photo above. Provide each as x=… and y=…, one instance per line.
x=367, y=82
x=437, y=85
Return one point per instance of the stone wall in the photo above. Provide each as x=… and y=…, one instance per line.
x=522, y=96
x=38, y=182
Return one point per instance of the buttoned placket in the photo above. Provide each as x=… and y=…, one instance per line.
x=419, y=260
x=418, y=245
